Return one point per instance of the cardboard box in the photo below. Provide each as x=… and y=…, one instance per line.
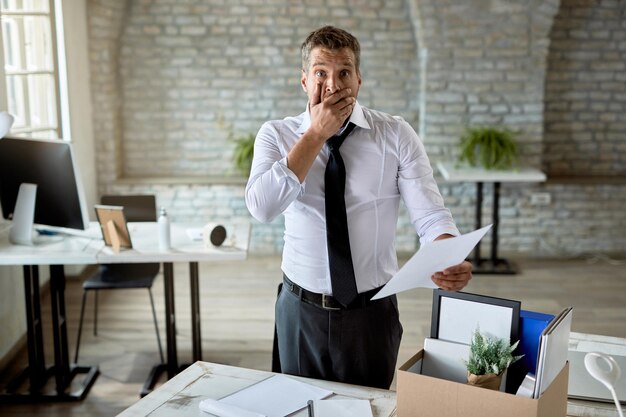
x=424, y=396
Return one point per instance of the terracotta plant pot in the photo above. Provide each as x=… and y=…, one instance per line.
x=489, y=381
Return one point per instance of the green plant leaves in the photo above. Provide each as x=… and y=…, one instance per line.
x=242, y=155
x=490, y=355
x=488, y=147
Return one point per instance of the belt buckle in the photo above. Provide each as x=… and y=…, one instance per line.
x=325, y=306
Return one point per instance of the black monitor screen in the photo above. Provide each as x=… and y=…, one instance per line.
x=48, y=164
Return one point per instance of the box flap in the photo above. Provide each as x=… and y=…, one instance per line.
x=408, y=364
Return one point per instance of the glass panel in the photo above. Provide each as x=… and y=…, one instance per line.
x=12, y=41
x=39, y=6
x=42, y=100
x=9, y=5
x=38, y=43
x=15, y=99
x=28, y=48
x=43, y=134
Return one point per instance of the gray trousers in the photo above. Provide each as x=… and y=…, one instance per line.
x=357, y=346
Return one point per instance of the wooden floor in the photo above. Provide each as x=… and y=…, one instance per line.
x=238, y=317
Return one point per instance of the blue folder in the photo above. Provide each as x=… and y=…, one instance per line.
x=531, y=326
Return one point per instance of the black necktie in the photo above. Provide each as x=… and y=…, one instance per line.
x=339, y=256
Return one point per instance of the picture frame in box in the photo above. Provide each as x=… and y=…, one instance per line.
x=455, y=316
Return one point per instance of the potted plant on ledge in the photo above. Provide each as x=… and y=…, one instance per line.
x=242, y=155
x=489, y=358
x=488, y=147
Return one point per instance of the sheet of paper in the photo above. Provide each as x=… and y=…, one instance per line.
x=433, y=257
x=342, y=408
x=459, y=318
x=277, y=396
x=219, y=409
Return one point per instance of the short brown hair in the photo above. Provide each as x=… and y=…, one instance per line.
x=332, y=38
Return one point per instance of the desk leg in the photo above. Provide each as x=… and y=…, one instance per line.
x=171, y=367
x=195, y=311
x=59, y=327
x=170, y=320
x=63, y=371
x=496, y=222
x=37, y=371
x=492, y=265
x=479, y=215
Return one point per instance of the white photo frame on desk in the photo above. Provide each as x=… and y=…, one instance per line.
x=114, y=227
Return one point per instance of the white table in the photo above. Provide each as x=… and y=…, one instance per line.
x=73, y=250
x=452, y=173
x=180, y=396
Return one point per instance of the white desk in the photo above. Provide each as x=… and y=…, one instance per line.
x=180, y=396
x=81, y=251
x=450, y=172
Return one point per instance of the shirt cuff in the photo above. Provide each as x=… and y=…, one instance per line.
x=438, y=231
x=288, y=175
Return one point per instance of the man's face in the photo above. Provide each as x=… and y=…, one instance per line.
x=333, y=69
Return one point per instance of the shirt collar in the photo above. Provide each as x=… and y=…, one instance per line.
x=357, y=117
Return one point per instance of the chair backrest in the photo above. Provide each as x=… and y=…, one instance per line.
x=137, y=208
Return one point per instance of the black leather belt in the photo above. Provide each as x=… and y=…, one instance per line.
x=325, y=301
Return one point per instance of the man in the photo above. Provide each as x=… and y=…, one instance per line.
x=341, y=210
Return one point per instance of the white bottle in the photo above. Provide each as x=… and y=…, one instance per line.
x=164, y=230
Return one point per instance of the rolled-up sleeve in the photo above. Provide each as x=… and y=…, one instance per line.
x=272, y=186
x=419, y=190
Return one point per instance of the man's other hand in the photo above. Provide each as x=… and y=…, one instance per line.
x=454, y=278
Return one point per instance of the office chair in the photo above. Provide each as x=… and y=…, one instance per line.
x=137, y=208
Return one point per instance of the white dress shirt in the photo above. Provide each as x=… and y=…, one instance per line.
x=384, y=160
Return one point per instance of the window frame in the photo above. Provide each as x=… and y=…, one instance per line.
x=54, y=72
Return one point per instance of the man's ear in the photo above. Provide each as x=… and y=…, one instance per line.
x=303, y=81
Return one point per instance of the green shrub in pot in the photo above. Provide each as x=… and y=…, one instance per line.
x=489, y=147
x=242, y=155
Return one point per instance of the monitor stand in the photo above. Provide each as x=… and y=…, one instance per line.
x=24, y=215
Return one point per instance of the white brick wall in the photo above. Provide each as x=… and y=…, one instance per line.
x=171, y=79
x=586, y=90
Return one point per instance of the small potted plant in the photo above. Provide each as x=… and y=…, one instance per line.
x=242, y=156
x=488, y=147
x=489, y=358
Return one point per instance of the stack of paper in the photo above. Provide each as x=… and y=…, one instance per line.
x=276, y=396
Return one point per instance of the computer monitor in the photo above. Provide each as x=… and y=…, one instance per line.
x=59, y=201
